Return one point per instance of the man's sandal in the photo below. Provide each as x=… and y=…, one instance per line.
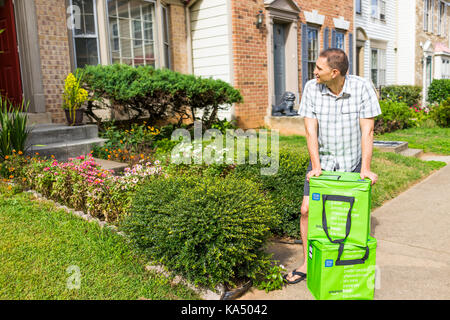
x=295, y=273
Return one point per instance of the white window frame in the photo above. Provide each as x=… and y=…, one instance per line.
x=426, y=15
x=166, y=31
x=380, y=66
x=86, y=36
x=378, y=9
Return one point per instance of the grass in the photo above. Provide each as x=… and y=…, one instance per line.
x=434, y=140
x=396, y=173
x=38, y=243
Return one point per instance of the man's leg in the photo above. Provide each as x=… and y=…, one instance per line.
x=304, y=235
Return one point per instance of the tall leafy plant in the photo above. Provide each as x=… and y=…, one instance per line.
x=14, y=127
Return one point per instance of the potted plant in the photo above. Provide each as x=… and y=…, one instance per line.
x=73, y=99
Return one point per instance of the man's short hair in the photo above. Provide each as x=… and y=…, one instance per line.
x=337, y=59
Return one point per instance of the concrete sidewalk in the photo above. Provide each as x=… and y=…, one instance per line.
x=413, y=255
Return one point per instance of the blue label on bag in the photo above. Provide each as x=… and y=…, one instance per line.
x=328, y=263
x=316, y=196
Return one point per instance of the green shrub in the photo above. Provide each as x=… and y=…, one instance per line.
x=285, y=188
x=441, y=113
x=161, y=93
x=13, y=127
x=439, y=90
x=209, y=229
x=394, y=115
x=410, y=95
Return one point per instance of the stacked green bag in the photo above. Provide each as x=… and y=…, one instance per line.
x=338, y=237
x=346, y=276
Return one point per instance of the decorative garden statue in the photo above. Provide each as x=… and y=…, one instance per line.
x=286, y=107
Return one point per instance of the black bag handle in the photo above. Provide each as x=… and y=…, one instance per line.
x=340, y=262
x=348, y=225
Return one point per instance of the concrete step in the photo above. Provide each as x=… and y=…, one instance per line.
x=62, y=151
x=111, y=165
x=39, y=118
x=46, y=134
x=412, y=152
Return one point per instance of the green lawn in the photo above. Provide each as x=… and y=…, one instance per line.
x=38, y=243
x=435, y=140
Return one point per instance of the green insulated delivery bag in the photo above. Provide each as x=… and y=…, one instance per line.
x=339, y=208
x=341, y=272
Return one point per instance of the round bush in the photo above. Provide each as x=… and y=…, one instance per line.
x=285, y=187
x=209, y=229
x=441, y=114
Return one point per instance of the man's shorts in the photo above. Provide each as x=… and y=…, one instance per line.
x=306, y=185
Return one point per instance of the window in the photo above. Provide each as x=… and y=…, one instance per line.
x=131, y=29
x=313, y=50
x=428, y=70
x=446, y=72
x=441, y=18
x=339, y=40
x=382, y=10
x=378, y=67
x=426, y=14
x=378, y=9
x=166, y=40
x=358, y=6
x=85, y=35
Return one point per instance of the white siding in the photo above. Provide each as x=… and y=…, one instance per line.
x=379, y=31
x=406, y=14
x=211, y=47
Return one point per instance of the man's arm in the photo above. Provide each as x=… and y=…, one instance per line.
x=367, y=125
x=311, y=126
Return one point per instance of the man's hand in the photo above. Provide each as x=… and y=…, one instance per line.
x=369, y=174
x=314, y=173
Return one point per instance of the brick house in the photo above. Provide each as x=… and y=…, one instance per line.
x=423, y=52
x=261, y=47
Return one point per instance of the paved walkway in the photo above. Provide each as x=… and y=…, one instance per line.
x=413, y=255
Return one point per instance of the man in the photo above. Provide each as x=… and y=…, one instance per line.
x=339, y=113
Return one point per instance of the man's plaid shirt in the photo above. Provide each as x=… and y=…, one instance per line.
x=338, y=118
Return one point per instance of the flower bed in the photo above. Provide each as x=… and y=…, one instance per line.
x=80, y=183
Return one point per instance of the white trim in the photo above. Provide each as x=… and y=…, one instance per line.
x=86, y=36
x=314, y=17
x=341, y=23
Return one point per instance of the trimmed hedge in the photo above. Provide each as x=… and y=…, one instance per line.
x=394, y=115
x=439, y=90
x=209, y=229
x=441, y=114
x=411, y=95
x=162, y=93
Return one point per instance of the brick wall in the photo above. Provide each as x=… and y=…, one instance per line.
x=249, y=63
x=250, y=52
x=54, y=50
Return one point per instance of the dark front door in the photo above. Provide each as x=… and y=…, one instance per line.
x=10, y=80
x=279, y=42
